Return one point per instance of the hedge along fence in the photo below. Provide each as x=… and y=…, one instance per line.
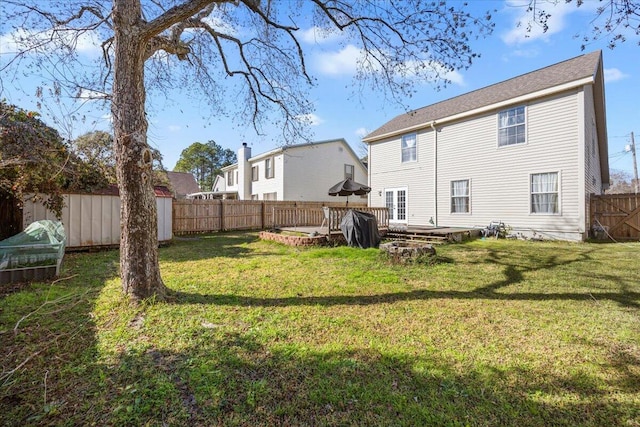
x=205, y=216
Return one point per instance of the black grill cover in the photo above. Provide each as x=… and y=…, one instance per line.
x=360, y=229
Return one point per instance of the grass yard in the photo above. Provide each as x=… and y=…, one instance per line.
x=494, y=333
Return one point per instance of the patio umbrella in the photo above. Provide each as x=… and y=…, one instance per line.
x=348, y=187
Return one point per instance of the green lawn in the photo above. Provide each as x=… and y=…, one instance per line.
x=258, y=334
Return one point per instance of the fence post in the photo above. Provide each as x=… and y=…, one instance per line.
x=221, y=213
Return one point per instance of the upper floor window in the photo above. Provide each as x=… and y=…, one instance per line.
x=511, y=126
x=349, y=171
x=409, y=149
x=230, y=178
x=460, y=193
x=268, y=168
x=544, y=193
x=254, y=173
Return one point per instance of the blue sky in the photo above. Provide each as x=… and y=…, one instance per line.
x=343, y=112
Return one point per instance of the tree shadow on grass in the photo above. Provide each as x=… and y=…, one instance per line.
x=232, y=379
x=514, y=270
x=219, y=245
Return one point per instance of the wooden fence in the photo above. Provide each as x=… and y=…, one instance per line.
x=619, y=214
x=204, y=216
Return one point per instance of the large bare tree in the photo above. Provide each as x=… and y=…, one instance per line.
x=615, y=20
x=155, y=43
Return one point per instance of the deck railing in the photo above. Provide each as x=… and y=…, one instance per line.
x=335, y=215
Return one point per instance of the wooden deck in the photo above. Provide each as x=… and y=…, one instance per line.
x=434, y=234
x=429, y=234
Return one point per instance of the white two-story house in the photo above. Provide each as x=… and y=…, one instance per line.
x=526, y=151
x=303, y=172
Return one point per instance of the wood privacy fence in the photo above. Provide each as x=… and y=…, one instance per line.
x=204, y=216
x=618, y=213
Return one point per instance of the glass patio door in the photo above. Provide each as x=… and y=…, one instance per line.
x=396, y=202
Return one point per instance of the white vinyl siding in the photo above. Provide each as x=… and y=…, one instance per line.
x=310, y=171
x=512, y=128
x=500, y=177
x=386, y=170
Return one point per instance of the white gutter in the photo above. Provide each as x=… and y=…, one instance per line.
x=435, y=172
x=486, y=108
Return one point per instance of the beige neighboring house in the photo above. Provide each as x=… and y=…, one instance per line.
x=302, y=172
x=526, y=151
x=183, y=183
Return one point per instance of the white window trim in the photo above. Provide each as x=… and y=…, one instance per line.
x=451, y=196
x=415, y=135
x=559, y=213
x=526, y=128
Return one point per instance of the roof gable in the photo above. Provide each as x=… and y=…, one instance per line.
x=562, y=73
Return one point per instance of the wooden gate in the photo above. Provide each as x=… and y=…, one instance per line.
x=619, y=214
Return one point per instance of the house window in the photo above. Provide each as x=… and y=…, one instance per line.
x=409, y=152
x=396, y=202
x=544, y=193
x=349, y=170
x=270, y=196
x=460, y=192
x=254, y=173
x=268, y=168
x=511, y=126
x=230, y=178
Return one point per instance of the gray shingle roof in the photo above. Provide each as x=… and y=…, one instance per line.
x=183, y=183
x=554, y=75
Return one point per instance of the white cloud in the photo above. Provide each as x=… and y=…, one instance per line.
x=219, y=23
x=319, y=35
x=361, y=132
x=174, y=128
x=613, y=75
x=85, y=43
x=311, y=119
x=559, y=11
x=343, y=62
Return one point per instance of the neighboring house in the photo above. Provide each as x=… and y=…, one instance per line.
x=295, y=172
x=183, y=183
x=527, y=151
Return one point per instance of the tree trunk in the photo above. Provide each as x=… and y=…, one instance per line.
x=139, y=268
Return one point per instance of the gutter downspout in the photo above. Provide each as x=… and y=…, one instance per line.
x=435, y=172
